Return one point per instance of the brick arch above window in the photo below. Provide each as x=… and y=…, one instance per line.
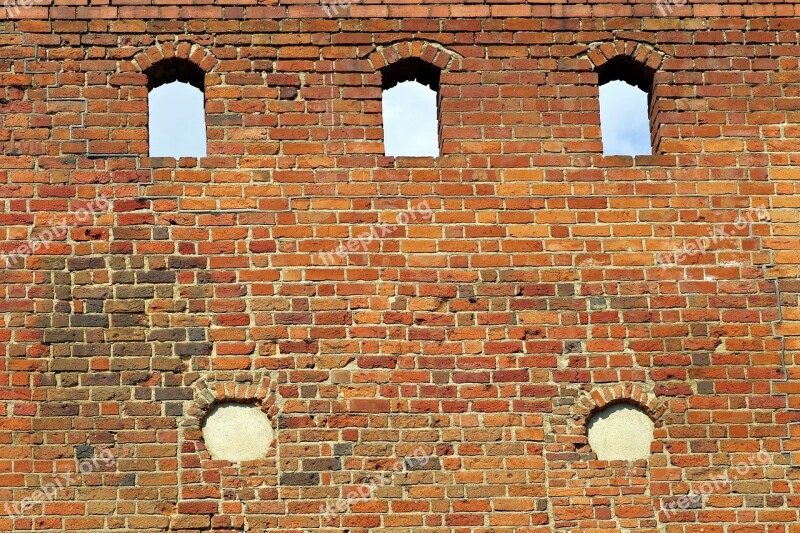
x=426, y=63
x=601, y=53
x=429, y=52
x=192, y=53
x=638, y=65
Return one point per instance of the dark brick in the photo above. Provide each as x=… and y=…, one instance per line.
x=89, y=321
x=84, y=452
x=155, y=277
x=173, y=394
x=322, y=465
x=193, y=348
x=299, y=479
x=62, y=335
x=55, y=409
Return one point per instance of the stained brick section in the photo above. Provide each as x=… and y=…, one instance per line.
x=483, y=337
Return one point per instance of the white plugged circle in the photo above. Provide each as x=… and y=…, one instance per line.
x=237, y=432
x=621, y=432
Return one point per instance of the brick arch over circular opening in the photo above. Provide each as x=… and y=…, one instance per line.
x=199, y=470
x=601, y=398
x=259, y=391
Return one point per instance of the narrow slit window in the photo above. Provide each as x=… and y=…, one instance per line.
x=411, y=109
x=176, y=107
x=625, y=107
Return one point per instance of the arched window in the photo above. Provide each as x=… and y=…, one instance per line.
x=176, y=103
x=626, y=104
x=411, y=108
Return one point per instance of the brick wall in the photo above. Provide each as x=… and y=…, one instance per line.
x=485, y=334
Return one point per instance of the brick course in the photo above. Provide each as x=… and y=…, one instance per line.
x=487, y=334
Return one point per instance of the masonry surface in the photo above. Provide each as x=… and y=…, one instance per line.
x=487, y=334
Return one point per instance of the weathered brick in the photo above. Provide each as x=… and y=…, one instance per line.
x=449, y=356
x=301, y=479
